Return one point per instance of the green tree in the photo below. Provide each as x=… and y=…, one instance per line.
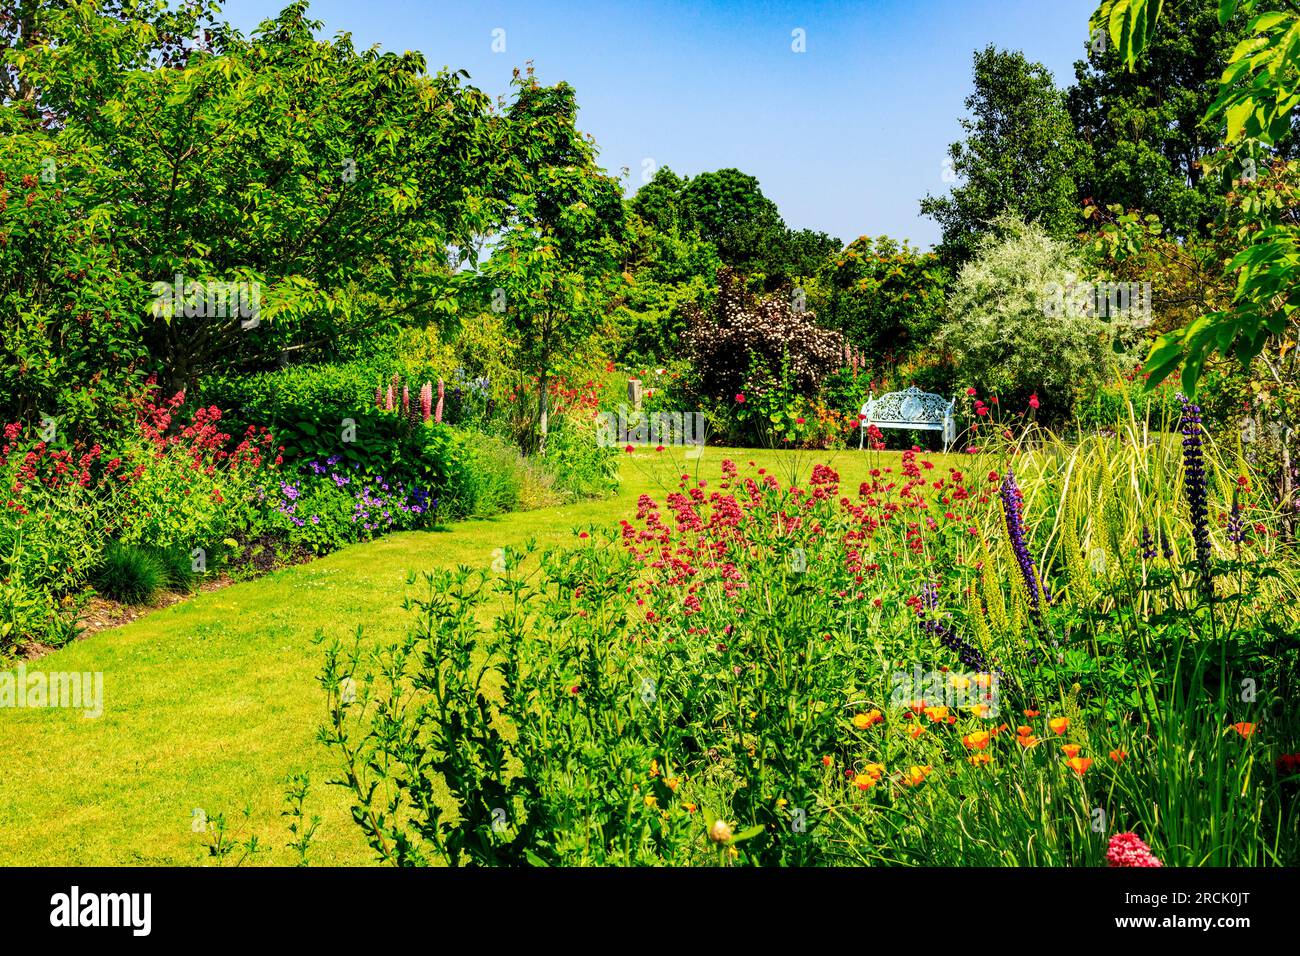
x=554, y=268
x=300, y=168
x=885, y=295
x=1020, y=155
x=1146, y=126
x=1257, y=94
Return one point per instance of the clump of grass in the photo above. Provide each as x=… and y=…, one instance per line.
x=178, y=568
x=130, y=573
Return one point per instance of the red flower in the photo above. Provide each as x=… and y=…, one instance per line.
x=740, y=397
x=1127, y=849
x=971, y=391
x=1033, y=400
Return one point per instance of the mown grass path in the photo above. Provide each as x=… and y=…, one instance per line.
x=213, y=702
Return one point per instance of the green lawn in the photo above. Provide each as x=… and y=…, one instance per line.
x=211, y=703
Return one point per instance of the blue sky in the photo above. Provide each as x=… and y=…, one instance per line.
x=845, y=137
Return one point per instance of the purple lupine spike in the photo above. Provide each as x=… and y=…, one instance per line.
x=1012, y=505
x=1148, y=544
x=1236, y=528
x=941, y=630
x=437, y=412
x=1194, y=483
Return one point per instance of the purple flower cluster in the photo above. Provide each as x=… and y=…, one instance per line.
x=939, y=629
x=377, y=505
x=1148, y=544
x=1236, y=528
x=1012, y=505
x=1194, y=483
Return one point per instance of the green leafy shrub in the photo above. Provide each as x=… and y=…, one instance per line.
x=581, y=467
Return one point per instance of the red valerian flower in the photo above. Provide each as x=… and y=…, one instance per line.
x=1127, y=849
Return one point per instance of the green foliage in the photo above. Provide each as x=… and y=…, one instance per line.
x=70, y=344
x=310, y=181
x=1149, y=147
x=581, y=467
x=727, y=211
x=1257, y=93
x=885, y=296
x=751, y=713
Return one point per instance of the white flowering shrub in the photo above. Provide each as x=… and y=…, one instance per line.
x=1007, y=332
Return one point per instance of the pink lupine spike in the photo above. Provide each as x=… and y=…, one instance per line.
x=406, y=401
x=426, y=401
x=379, y=398
x=437, y=413
x=388, y=405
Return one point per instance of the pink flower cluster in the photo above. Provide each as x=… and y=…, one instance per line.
x=1127, y=849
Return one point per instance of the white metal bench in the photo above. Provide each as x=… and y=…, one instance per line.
x=910, y=409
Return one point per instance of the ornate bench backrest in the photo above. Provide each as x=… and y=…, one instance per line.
x=911, y=408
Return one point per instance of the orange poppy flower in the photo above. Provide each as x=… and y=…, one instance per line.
x=863, y=721
x=1118, y=755
x=1244, y=729
x=1059, y=724
x=936, y=714
x=915, y=730
x=1080, y=765
x=916, y=775
x=980, y=760
x=864, y=781
x=1071, y=750
x=1024, y=730
x=1031, y=713
x=1027, y=741
x=978, y=740
x=998, y=729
